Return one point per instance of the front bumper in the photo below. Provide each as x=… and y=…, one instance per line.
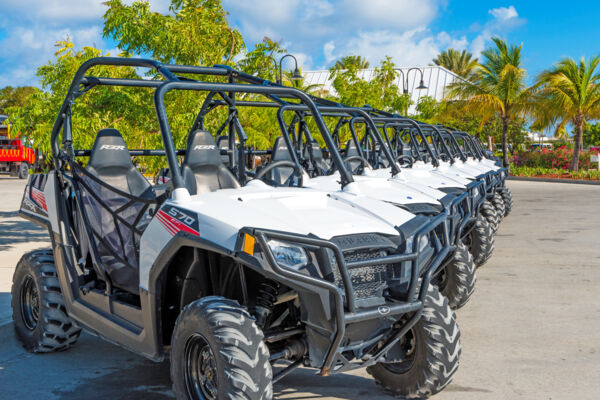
x=344, y=314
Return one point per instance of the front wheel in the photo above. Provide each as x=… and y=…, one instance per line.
x=218, y=353
x=498, y=203
x=457, y=281
x=423, y=362
x=508, y=200
x=23, y=171
x=488, y=211
x=481, y=241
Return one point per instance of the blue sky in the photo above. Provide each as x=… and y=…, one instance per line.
x=412, y=32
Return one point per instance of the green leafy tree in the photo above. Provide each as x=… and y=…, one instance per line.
x=569, y=92
x=460, y=62
x=496, y=88
x=591, y=135
x=15, y=96
x=380, y=92
x=428, y=108
x=196, y=33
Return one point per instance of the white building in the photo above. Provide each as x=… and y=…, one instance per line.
x=435, y=78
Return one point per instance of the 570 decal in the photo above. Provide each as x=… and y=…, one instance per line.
x=174, y=220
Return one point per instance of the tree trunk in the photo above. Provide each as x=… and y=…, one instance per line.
x=577, y=145
x=505, y=162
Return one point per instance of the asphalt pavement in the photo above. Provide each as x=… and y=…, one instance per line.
x=531, y=331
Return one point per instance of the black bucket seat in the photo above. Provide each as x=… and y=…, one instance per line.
x=202, y=168
x=315, y=153
x=116, y=239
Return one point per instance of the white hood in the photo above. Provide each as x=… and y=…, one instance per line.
x=375, y=187
x=294, y=210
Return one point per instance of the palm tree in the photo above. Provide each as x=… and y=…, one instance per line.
x=569, y=92
x=496, y=88
x=351, y=61
x=461, y=63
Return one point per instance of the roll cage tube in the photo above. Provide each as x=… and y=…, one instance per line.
x=452, y=140
x=75, y=91
x=471, y=141
x=177, y=178
x=443, y=144
x=348, y=110
x=416, y=127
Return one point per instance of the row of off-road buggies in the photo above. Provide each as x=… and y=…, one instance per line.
x=330, y=255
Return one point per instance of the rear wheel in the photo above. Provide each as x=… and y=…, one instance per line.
x=508, y=200
x=218, y=353
x=426, y=358
x=23, y=171
x=39, y=314
x=457, y=281
x=488, y=211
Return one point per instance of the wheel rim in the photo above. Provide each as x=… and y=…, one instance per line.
x=442, y=279
x=30, y=303
x=200, y=369
x=408, y=344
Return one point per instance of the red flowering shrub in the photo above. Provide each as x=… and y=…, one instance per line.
x=559, y=158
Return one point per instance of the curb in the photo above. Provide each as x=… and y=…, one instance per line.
x=554, y=180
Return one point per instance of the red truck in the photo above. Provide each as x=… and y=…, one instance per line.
x=15, y=157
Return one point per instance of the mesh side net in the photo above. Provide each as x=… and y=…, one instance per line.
x=115, y=220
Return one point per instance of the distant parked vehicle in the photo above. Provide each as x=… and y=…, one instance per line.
x=15, y=157
x=540, y=146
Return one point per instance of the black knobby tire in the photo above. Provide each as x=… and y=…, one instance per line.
x=39, y=314
x=226, y=334
x=457, y=281
x=490, y=214
x=498, y=203
x=23, y=171
x=482, y=240
x=508, y=200
x=435, y=346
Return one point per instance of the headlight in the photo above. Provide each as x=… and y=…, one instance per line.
x=288, y=255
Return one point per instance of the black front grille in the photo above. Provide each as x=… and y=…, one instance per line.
x=369, y=281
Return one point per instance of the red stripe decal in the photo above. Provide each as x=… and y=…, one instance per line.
x=179, y=226
x=170, y=228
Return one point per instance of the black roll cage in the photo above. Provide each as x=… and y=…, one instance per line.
x=81, y=84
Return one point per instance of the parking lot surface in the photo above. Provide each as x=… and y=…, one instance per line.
x=531, y=331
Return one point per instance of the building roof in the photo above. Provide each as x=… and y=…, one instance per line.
x=435, y=77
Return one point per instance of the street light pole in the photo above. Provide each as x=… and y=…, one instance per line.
x=295, y=76
x=405, y=82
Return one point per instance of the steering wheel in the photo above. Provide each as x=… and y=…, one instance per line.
x=363, y=163
x=405, y=157
x=282, y=164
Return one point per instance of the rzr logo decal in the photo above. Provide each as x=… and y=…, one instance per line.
x=174, y=220
x=111, y=147
x=205, y=147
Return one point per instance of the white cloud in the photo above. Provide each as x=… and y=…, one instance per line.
x=413, y=47
x=504, y=19
x=504, y=13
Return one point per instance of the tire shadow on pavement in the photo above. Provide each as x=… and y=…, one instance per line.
x=18, y=231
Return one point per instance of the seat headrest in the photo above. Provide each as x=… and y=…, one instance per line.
x=280, y=150
x=109, y=150
x=317, y=153
x=202, y=150
x=351, y=149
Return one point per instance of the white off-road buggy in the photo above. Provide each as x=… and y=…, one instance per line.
x=240, y=284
